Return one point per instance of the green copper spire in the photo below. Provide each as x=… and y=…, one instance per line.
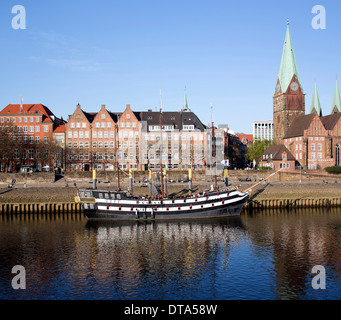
x=315, y=104
x=288, y=63
x=185, y=107
x=336, y=106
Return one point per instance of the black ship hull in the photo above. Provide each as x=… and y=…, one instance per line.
x=105, y=205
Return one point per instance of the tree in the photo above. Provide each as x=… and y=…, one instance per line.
x=257, y=148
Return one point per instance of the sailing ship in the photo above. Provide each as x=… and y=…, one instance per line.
x=119, y=205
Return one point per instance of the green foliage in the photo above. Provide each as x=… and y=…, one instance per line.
x=257, y=149
x=265, y=168
x=333, y=170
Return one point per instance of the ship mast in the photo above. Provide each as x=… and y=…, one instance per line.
x=214, y=151
x=116, y=150
x=161, y=146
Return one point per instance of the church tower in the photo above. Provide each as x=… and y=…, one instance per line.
x=289, y=99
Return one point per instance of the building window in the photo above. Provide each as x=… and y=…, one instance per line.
x=337, y=155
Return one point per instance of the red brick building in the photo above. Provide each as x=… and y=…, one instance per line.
x=27, y=137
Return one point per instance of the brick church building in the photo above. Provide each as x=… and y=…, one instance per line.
x=313, y=139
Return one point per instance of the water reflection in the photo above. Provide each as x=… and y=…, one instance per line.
x=267, y=255
x=160, y=254
x=299, y=240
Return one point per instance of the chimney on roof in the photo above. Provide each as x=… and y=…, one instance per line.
x=103, y=106
x=150, y=110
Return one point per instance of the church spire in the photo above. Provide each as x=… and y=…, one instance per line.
x=185, y=107
x=288, y=66
x=315, y=104
x=336, y=106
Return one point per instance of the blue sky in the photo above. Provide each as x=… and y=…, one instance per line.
x=226, y=53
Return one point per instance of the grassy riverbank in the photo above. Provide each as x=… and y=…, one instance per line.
x=54, y=192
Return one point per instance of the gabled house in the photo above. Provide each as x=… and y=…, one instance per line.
x=278, y=157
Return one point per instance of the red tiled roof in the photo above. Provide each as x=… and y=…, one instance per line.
x=276, y=152
x=28, y=109
x=299, y=124
x=330, y=121
x=60, y=129
x=248, y=137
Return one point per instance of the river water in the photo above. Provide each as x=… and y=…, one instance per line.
x=267, y=255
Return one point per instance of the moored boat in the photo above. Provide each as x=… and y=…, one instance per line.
x=117, y=205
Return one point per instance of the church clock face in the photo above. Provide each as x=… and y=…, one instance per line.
x=294, y=86
x=278, y=88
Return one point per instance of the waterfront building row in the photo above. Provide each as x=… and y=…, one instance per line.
x=135, y=140
x=33, y=138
